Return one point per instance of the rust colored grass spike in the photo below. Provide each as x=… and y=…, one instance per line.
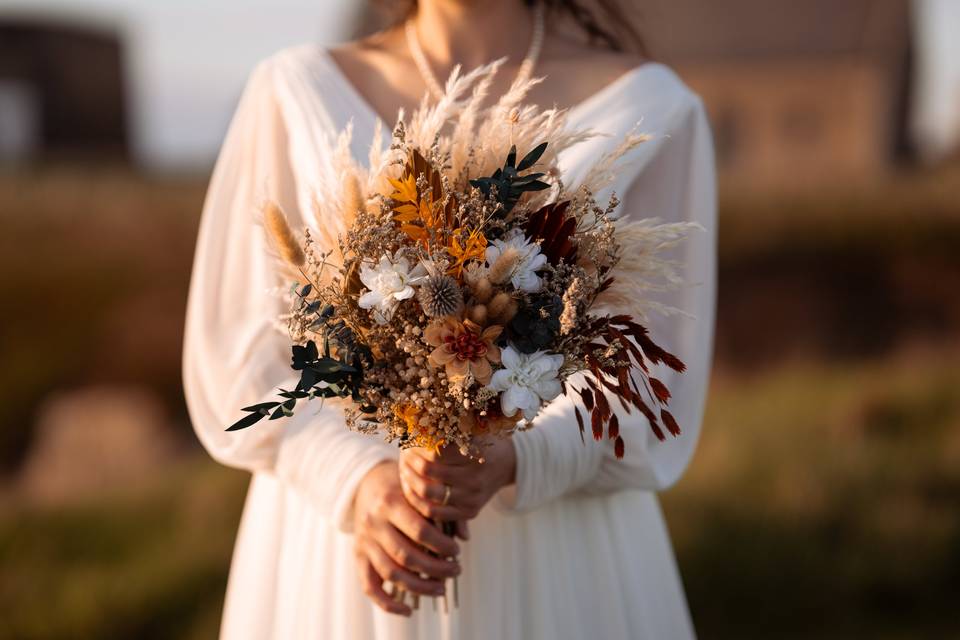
x=618, y=448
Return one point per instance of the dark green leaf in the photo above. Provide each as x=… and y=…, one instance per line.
x=531, y=158
x=258, y=408
x=246, y=421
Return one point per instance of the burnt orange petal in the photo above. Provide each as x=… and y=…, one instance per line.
x=481, y=370
x=457, y=368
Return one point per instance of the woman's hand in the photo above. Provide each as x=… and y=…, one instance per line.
x=392, y=540
x=428, y=477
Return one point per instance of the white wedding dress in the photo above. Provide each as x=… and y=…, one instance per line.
x=578, y=547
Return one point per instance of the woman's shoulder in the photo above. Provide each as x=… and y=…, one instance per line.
x=289, y=62
x=626, y=77
x=646, y=77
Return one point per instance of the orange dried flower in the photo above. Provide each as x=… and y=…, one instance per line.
x=473, y=248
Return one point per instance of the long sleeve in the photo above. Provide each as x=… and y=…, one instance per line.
x=234, y=356
x=673, y=179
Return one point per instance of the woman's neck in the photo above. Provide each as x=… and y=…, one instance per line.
x=472, y=32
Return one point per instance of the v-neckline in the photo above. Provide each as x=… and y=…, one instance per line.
x=596, y=97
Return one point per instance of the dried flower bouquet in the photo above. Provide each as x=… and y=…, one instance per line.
x=452, y=288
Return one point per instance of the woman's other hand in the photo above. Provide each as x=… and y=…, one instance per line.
x=451, y=487
x=393, y=542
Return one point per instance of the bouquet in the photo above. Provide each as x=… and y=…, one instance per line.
x=455, y=285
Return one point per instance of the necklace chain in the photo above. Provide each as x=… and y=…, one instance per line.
x=523, y=73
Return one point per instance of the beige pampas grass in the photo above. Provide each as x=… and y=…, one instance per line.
x=284, y=240
x=353, y=199
x=643, y=267
x=603, y=171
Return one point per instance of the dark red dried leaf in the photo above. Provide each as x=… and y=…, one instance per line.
x=670, y=422
x=618, y=448
x=613, y=428
x=660, y=390
x=553, y=229
x=603, y=406
x=596, y=423
x=576, y=412
x=587, y=396
x=673, y=362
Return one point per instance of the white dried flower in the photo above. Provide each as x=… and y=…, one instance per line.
x=389, y=283
x=523, y=275
x=526, y=381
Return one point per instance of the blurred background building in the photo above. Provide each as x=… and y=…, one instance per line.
x=822, y=502
x=798, y=92
x=62, y=91
x=795, y=97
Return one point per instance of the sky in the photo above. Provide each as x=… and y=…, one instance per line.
x=188, y=60
x=937, y=107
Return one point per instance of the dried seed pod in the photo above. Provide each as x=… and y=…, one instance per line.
x=511, y=310
x=498, y=305
x=283, y=238
x=478, y=314
x=440, y=296
x=482, y=290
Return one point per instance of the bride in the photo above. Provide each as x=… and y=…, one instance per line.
x=555, y=538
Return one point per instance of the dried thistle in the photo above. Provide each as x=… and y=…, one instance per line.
x=440, y=296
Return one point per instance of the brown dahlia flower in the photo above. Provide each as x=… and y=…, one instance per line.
x=463, y=347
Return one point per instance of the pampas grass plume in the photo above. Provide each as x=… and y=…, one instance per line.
x=353, y=200
x=283, y=238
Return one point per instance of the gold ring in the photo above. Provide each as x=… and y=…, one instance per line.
x=446, y=494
